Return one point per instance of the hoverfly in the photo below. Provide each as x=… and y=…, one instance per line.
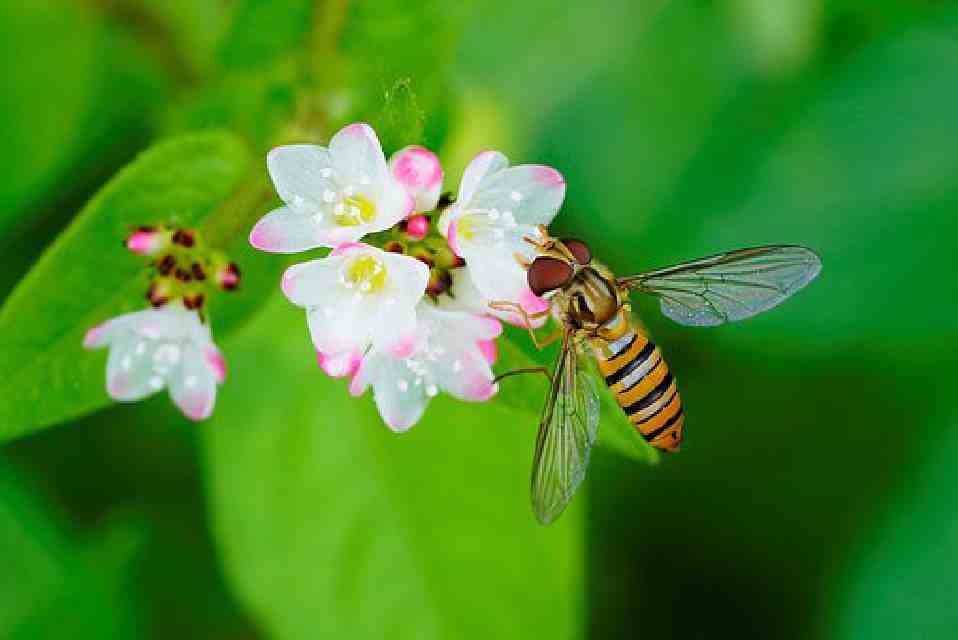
x=595, y=321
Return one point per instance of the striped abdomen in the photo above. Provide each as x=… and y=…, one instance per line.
x=643, y=386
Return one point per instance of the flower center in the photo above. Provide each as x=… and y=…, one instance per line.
x=354, y=210
x=469, y=226
x=365, y=273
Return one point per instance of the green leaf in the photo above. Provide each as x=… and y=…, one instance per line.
x=857, y=164
x=86, y=276
x=901, y=578
x=330, y=525
x=51, y=582
x=73, y=86
x=864, y=173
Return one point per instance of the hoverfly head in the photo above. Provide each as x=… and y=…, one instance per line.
x=548, y=273
x=579, y=250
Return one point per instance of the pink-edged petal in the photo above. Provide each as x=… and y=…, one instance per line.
x=478, y=389
x=527, y=194
x=315, y=282
x=394, y=331
x=418, y=170
x=96, y=337
x=490, y=328
x=216, y=362
x=489, y=350
x=452, y=237
x=484, y=164
x=357, y=154
x=531, y=303
x=347, y=247
x=400, y=401
x=360, y=380
x=193, y=386
x=468, y=376
x=287, y=230
x=404, y=346
x=339, y=365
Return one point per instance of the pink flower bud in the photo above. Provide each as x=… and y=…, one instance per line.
x=228, y=276
x=418, y=170
x=147, y=241
x=417, y=227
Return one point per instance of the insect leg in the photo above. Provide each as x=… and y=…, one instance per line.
x=543, y=370
x=527, y=318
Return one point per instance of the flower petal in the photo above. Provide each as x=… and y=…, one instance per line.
x=401, y=402
x=105, y=332
x=313, y=283
x=467, y=297
x=344, y=325
x=193, y=385
x=529, y=194
x=300, y=173
x=340, y=365
x=468, y=376
x=395, y=204
x=357, y=154
x=129, y=369
x=495, y=272
x=489, y=350
x=216, y=361
x=287, y=230
x=484, y=164
x=407, y=278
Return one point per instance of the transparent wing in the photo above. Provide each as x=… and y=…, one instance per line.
x=729, y=286
x=567, y=432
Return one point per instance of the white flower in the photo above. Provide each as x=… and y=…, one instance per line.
x=496, y=208
x=453, y=352
x=418, y=170
x=333, y=195
x=356, y=297
x=167, y=347
x=465, y=296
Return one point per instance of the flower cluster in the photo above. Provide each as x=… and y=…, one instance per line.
x=169, y=345
x=401, y=303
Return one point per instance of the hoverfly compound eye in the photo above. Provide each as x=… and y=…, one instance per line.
x=580, y=250
x=546, y=274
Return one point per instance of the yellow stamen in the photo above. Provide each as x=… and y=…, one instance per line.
x=366, y=273
x=355, y=210
x=468, y=227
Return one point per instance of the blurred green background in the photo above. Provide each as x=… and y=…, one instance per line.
x=814, y=497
